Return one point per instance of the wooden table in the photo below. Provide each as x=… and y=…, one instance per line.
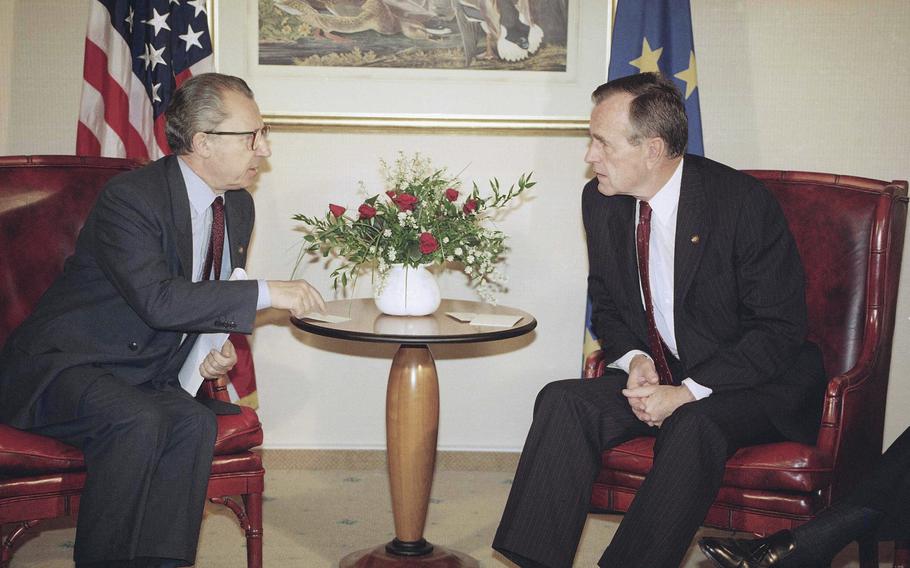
x=412, y=413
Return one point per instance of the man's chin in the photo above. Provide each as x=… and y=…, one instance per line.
x=605, y=189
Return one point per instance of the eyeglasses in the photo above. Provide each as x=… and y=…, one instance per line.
x=257, y=137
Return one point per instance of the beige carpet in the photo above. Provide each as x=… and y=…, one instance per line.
x=314, y=517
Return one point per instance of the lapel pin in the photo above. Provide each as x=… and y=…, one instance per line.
x=694, y=239
x=240, y=250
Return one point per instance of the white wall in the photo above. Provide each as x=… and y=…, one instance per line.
x=812, y=85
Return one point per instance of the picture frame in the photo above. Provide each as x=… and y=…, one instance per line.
x=488, y=101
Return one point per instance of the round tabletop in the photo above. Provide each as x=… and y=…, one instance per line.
x=366, y=323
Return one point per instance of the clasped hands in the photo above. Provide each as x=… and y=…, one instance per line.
x=652, y=402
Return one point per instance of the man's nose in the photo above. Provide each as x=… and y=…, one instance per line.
x=264, y=149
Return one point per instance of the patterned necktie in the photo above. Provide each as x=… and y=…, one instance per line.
x=216, y=241
x=643, y=238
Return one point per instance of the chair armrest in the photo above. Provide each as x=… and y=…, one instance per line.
x=215, y=389
x=595, y=365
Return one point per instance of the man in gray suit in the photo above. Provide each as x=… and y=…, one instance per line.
x=96, y=364
x=698, y=299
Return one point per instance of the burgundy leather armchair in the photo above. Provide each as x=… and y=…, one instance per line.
x=44, y=201
x=850, y=234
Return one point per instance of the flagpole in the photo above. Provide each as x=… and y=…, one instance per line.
x=213, y=22
x=611, y=26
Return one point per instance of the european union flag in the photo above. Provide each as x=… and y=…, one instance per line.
x=654, y=35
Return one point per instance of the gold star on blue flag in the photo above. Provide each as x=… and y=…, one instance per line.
x=654, y=35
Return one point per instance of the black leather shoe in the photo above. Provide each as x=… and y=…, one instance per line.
x=220, y=408
x=744, y=553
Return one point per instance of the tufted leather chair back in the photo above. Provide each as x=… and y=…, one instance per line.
x=843, y=227
x=44, y=203
x=850, y=234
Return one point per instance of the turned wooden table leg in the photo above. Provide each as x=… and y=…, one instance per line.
x=412, y=423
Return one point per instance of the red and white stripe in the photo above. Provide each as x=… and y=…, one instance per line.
x=116, y=118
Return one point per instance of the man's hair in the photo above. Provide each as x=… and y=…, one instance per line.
x=197, y=106
x=656, y=111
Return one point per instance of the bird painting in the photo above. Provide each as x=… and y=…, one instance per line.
x=510, y=34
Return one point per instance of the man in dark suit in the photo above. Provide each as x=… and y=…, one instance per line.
x=879, y=507
x=698, y=300
x=96, y=364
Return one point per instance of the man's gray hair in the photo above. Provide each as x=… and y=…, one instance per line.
x=657, y=109
x=197, y=106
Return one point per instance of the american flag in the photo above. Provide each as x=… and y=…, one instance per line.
x=137, y=52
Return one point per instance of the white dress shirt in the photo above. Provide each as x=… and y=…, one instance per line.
x=661, y=250
x=201, y=197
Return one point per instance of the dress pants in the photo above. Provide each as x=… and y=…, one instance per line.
x=887, y=490
x=574, y=422
x=148, y=454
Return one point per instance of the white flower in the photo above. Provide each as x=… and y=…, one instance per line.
x=458, y=251
x=468, y=270
x=445, y=240
x=470, y=259
x=387, y=233
x=392, y=255
x=373, y=249
x=450, y=258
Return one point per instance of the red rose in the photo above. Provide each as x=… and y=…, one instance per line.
x=470, y=206
x=391, y=194
x=337, y=210
x=451, y=194
x=405, y=201
x=428, y=243
x=366, y=212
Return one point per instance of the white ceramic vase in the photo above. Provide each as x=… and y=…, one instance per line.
x=408, y=291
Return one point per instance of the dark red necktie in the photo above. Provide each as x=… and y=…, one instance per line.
x=643, y=238
x=216, y=242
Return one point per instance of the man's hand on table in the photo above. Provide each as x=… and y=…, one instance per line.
x=296, y=296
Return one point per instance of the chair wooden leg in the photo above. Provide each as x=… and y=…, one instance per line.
x=902, y=553
x=250, y=517
x=7, y=544
x=4, y=552
x=868, y=551
x=253, y=502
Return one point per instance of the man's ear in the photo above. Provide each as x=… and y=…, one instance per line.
x=655, y=150
x=202, y=145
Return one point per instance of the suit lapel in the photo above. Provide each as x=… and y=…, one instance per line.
x=691, y=234
x=180, y=212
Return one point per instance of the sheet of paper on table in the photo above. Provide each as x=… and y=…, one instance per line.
x=487, y=320
x=327, y=318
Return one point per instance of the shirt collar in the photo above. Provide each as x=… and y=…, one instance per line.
x=200, y=194
x=666, y=200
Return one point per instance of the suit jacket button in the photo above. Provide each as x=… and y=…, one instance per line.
x=133, y=346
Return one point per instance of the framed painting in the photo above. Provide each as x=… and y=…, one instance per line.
x=495, y=65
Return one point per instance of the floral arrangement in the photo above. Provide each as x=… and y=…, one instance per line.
x=424, y=217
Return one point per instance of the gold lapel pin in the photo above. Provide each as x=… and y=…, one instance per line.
x=694, y=239
x=240, y=250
